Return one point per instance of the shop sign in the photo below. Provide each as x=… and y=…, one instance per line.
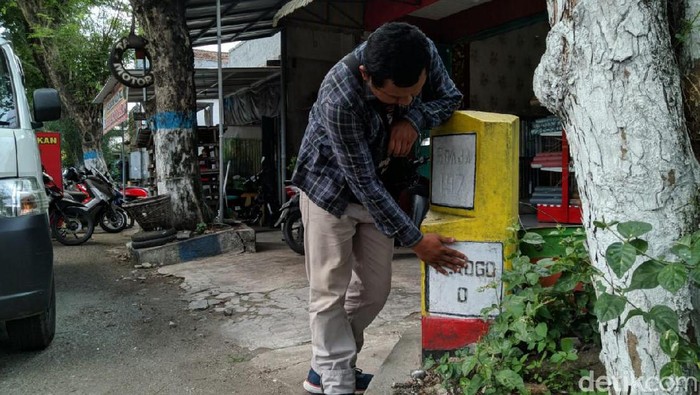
x=114, y=108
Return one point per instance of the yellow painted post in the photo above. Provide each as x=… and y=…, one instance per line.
x=474, y=198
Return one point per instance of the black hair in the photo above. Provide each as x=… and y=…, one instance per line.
x=396, y=51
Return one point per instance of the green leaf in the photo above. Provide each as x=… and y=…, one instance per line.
x=567, y=344
x=510, y=379
x=686, y=354
x=599, y=224
x=695, y=275
x=673, y=277
x=428, y=363
x=474, y=385
x=541, y=330
x=468, y=365
x=532, y=238
x=670, y=343
x=646, y=275
x=633, y=313
x=641, y=245
x=682, y=251
x=633, y=229
x=672, y=368
x=558, y=357
x=663, y=318
x=608, y=307
x=566, y=282
x=694, y=255
x=620, y=257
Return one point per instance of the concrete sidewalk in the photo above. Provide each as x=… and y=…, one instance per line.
x=261, y=300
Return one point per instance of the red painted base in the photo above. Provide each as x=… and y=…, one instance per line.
x=443, y=333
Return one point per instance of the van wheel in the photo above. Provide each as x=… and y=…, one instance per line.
x=36, y=332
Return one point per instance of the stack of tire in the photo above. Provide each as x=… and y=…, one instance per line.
x=152, y=238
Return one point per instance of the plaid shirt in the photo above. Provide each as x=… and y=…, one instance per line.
x=346, y=139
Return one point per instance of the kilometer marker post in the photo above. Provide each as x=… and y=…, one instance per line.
x=473, y=198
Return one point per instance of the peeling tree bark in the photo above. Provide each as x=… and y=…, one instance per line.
x=177, y=172
x=610, y=74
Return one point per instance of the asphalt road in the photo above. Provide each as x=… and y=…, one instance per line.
x=122, y=330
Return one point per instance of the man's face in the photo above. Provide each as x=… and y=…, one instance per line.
x=391, y=94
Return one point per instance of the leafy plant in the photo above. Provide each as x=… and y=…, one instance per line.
x=671, y=275
x=533, y=336
x=201, y=228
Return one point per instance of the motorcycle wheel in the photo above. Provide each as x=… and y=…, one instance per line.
x=293, y=231
x=113, y=220
x=73, y=227
x=129, y=218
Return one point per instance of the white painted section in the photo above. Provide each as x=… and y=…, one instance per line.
x=445, y=8
x=467, y=292
x=453, y=170
x=607, y=73
x=201, y=116
x=255, y=53
x=244, y=132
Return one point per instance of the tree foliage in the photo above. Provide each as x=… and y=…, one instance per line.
x=65, y=44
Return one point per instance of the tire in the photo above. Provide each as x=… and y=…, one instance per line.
x=113, y=220
x=129, y=220
x=74, y=228
x=36, y=332
x=152, y=242
x=152, y=235
x=293, y=231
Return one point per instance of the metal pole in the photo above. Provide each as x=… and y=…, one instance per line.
x=222, y=193
x=126, y=92
x=124, y=159
x=282, y=171
x=144, y=180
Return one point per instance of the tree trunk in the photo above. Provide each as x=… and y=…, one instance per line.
x=177, y=172
x=609, y=73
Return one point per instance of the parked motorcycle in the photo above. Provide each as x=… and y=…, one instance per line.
x=252, y=201
x=290, y=218
x=411, y=189
x=70, y=221
x=103, y=200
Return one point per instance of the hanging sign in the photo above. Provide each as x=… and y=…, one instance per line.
x=116, y=65
x=114, y=108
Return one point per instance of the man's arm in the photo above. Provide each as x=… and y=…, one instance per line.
x=346, y=131
x=445, y=97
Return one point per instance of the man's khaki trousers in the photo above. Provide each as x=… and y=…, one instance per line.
x=348, y=264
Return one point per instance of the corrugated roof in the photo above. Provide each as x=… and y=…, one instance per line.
x=206, y=82
x=240, y=20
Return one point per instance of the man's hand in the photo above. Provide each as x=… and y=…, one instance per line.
x=432, y=250
x=403, y=135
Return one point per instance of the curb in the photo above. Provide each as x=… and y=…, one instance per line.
x=396, y=368
x=236, y=239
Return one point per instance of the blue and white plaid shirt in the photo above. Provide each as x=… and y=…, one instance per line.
x=346, y=139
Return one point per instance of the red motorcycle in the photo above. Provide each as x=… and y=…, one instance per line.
x=70, y=221
x=102, y=198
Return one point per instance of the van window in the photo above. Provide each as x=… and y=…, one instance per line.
x=8, y=105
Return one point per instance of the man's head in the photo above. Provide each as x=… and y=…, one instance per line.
x=395, y=64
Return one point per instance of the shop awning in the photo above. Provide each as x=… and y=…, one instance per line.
x=288, y=8
x=206, y=82
x=240, y=20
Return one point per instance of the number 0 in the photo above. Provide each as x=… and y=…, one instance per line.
x=461, y=295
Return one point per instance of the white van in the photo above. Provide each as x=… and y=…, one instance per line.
x=27, y=295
